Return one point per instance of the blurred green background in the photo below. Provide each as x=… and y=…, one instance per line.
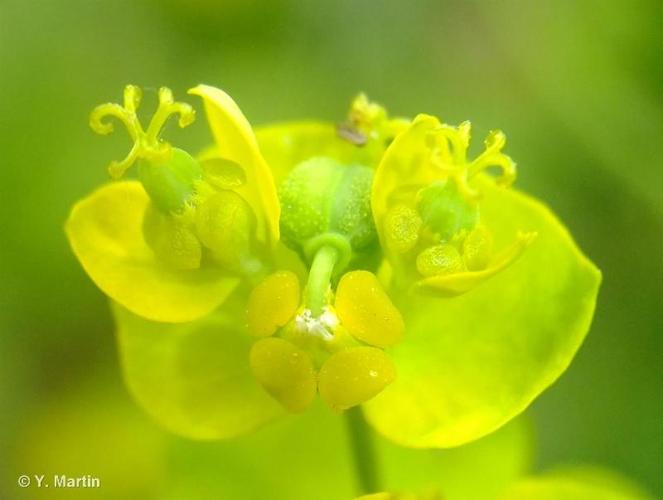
x=576, y=86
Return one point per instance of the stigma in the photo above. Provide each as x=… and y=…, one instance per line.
x=147, y=142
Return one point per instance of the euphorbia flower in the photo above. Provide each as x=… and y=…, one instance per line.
x=370, y=262
x=173, y=246
x=428, y=210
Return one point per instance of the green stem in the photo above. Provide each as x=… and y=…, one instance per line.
x=318, y=279
x=363, y=451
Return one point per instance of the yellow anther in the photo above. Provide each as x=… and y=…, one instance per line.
x=285, y=371
x=172, y=239
x=353, y=376
x=439, y=260
x=366, y=311
x=401, y=228
x=272, y=303
x=478, y=248
x=463, y=281
x=226, y=224
x=147, y=144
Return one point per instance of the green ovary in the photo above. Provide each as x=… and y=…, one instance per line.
x=445, y=210
x=440, y=234
x=324, y=202
x=171, y=184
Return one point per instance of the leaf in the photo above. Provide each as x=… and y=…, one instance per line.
x=469, y=364
x=105, y=232
x=194, y=378
x=237, y=143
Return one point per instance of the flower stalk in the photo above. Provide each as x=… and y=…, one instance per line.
x=362, y=447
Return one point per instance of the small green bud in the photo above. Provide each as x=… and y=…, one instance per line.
x=226, y=224
x=324, y=202
x=445, y=210
x=172, y=183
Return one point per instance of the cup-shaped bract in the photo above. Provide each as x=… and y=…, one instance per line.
x=106, y=233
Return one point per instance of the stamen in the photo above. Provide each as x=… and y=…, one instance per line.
x=147, y=144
